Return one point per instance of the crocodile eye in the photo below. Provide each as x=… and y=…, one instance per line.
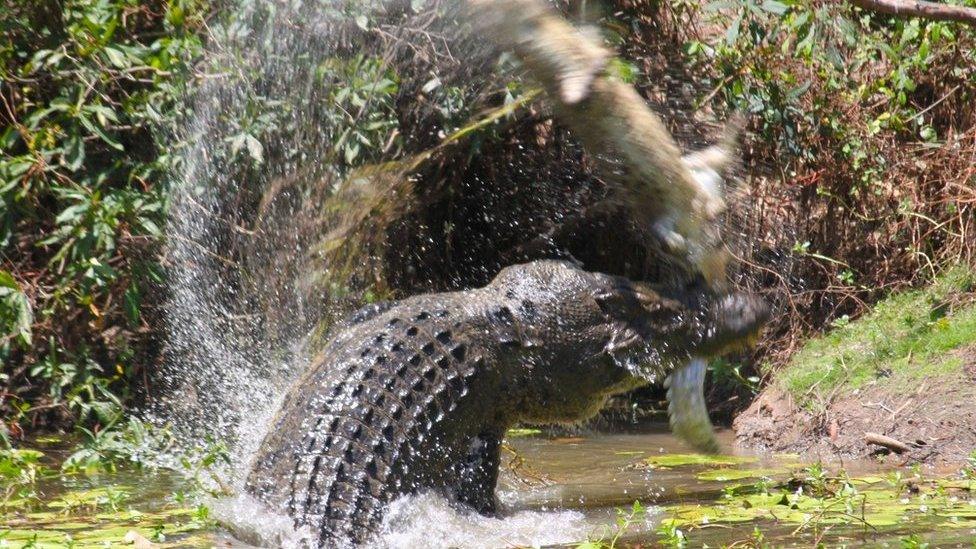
x=424, y=315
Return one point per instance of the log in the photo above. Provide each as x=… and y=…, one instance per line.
x=894, y=445
x=920, y=8
x=612, y=121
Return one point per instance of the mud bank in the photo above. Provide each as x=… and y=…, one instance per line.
x=907, y=371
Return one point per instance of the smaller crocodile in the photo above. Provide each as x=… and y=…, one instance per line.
x=418, y=394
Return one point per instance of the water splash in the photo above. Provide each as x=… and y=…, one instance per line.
x=240, y=225
x=428, y=520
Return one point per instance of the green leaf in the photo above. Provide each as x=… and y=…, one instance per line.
x=254, y=148
x=15, y=309
x=351, y=152
x=7, y=280
x=150, y=227
x=95, y=129
x=732, y=34
x=74, y=153
x=71, y=213
x=117, y=58
x=132, y=301
x=774, y=7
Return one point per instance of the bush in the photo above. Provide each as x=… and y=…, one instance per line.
x=859, y=184
x=82, y=193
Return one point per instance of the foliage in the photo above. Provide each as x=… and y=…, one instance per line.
x=108, y=489
x=858, y=121
x=131, y=443
x=816, y=500
x=82, y=193
x=20, y=469
x=624, y=522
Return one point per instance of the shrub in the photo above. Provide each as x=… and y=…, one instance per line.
x=82, y=193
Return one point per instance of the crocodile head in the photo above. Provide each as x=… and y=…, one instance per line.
x=586, y=336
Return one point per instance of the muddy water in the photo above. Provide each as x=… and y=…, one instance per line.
x=557, y=490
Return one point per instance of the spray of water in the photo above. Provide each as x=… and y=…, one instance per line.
x=291, y=97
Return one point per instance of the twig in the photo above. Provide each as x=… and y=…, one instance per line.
x=894, y=445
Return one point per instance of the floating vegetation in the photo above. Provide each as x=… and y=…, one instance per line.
x=104, y=516
x=668, y=461
x=48, y=504
x=522, y=432
x=814, y=501
x=725, y=475
x=175, y=527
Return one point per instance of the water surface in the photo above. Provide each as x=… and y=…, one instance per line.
x=556, y=489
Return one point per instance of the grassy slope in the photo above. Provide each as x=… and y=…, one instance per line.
x=906, y=338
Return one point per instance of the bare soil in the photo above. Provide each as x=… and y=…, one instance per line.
x=937, y=420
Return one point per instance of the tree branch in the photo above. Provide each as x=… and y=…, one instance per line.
x=920, y=8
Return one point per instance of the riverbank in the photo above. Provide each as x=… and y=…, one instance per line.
x=906, y=371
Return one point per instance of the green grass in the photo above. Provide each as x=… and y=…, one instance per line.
x=906, y=338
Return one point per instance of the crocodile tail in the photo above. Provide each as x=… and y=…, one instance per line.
x=686, y=407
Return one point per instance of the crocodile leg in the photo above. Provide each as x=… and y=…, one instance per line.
x=479, y=473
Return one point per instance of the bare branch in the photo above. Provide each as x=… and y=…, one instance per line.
x=920, y=8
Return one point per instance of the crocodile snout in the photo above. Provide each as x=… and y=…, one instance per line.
x=736, y=320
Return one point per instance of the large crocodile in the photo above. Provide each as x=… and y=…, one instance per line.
x=418, y=394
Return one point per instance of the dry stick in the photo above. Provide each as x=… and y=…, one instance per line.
x=894, y=445
x=920, y=8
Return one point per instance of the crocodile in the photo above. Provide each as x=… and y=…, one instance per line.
x=418, y=394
